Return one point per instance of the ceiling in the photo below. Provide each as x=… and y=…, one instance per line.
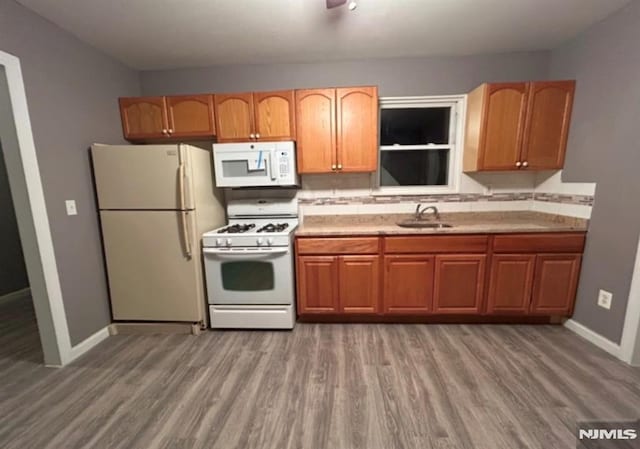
x=160, y=34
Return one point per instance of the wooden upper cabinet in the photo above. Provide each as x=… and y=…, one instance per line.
x=511, y=283
x=274, y=115
x=556, y=281
x=357, y=129
x=317, y=283
x=359, y=280
x=518, y=126
x=190, y=116
x=234, y=117
x=143, y=117
x=495, y=125
x=315, y=130
x=408, y=284
x=547, y=127
x=459, y=283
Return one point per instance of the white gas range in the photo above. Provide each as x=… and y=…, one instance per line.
x=249, y=266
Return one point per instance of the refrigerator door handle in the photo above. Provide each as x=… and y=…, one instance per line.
x=185, y=233
x=181, y=176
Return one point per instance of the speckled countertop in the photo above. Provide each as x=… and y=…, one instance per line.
x=462, y=222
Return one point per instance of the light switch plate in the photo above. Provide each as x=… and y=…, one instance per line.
x=604, y=299
x=71, y=207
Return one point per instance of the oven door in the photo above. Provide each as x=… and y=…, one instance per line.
x=249, y=276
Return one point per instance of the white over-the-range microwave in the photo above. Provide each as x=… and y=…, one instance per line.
x=255, y=164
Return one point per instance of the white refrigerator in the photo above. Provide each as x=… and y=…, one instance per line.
x=155, y=203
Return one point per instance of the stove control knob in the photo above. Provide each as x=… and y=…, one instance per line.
x=228, y=242
x=260, y=241
x=269, y=241
x=219, y=242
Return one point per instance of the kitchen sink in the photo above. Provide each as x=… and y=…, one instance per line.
x=423, y=224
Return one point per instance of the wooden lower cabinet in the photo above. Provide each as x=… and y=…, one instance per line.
x=338, y=284
x=555, y=285
x=408, y=284
x=518, y=275
x=318, y=284
x=510, y=283
x=459, y=283
x=358, y=280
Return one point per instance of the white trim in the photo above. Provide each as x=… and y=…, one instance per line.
x=46, y=290
x=594, y=338
x=88, y=343
x=630, y=343
x=22, y=293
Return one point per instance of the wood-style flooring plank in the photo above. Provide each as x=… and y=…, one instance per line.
x=332, y=386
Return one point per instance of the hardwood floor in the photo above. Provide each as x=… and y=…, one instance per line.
x=320, y=386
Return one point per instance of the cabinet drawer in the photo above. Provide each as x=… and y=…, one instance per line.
x=436, y=244
x=339, y=245
x=539, y=243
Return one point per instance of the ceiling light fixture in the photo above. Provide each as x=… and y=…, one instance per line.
x=335, y=3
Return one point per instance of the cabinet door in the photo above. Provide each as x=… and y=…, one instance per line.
x=275, y=115
x=143, y=117
x=555, y=284
x=511, y=283
x=359, y=284
x=190, y=116
x=459, y=284
x=503, y=125
x=357, y=129
x=548, y=117
x=234, y=117
x=317, y=284
x=408, y=284
x=316, y=130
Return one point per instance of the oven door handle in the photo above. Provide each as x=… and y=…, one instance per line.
x=224, y=253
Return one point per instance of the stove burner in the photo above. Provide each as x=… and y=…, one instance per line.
x=274, y=227
x=237, y=228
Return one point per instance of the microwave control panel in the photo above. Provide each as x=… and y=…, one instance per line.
x=284, y=163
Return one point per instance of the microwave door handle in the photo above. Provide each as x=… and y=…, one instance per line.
x=272, y=156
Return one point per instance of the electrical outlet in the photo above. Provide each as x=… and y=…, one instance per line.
x=604, y=299
x=71, y=207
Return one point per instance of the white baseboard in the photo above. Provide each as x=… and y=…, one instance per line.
x=17, y=294
x=87, y=344
x=594, y=338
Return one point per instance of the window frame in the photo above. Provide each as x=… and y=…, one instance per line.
x=455, y=145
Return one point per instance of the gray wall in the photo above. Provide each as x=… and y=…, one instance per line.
x=72, y=93
x=13, y=274
x=604, y=147
x=420, y=76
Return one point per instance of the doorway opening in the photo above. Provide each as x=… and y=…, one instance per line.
x=27, y=195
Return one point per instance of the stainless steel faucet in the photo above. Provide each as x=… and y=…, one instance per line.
x=420, y=213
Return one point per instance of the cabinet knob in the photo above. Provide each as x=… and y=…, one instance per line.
x=252, y=136
x=525, y=164
x=339, y=166
x=257, y=136
x=333, y=167
x=170, y=131
x=164, y=131
x=518, y=164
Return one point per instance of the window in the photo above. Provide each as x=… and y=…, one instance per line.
x=418, y=137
